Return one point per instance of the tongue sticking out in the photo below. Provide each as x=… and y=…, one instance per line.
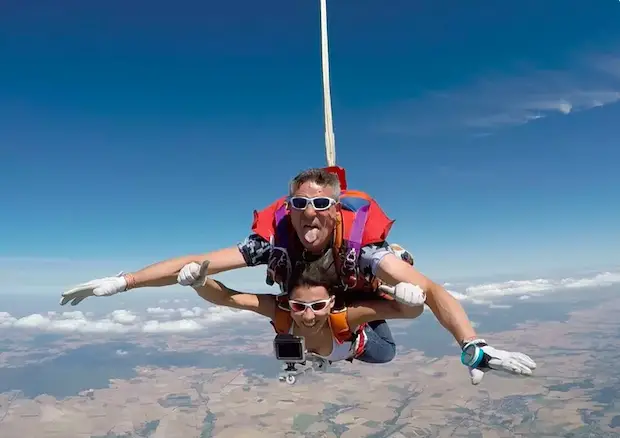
x=311, y=235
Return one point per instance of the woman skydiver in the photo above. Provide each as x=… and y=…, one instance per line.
x=332, y=331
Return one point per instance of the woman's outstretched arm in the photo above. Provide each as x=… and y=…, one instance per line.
x=217, y=293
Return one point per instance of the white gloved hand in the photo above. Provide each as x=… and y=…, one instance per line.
x=190, y=274
x=100, y=287
x=499, y=360
x=406, y=293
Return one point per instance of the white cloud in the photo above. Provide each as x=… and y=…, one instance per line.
x=160, y=311
x=123, y=321
x=183, y=325
x=518, y=110
x=609, y=64
x=524, y=289
x=497, y=101
x=123, y=317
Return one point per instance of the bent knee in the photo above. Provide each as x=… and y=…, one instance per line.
x=377, y=354
x=390, y=353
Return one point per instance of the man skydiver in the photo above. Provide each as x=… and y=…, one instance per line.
x=302, y=227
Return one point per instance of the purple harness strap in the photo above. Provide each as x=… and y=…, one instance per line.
x=357, y=229
x=280, y=247
x=280, y=213
x=354, y=243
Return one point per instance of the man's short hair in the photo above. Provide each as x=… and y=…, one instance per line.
x=320, y=272
x=318, y=176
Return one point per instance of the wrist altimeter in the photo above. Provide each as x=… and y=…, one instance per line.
x=474, y=356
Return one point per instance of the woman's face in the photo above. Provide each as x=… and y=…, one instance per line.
x=310, y=307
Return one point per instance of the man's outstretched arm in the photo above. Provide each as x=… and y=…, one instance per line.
x=165, y=273
x=253, y=251
x=446, y=308
x=481, y=357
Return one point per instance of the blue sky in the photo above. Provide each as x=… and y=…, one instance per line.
x=144, y=130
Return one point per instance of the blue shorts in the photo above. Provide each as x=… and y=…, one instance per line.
x=380, y=346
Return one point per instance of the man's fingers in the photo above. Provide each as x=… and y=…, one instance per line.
x=204, y=269
x=72, y=297
x=513, y=367
x=386, y=288
x=66, y=297
x=77, y=301
x=518, y=367
x=510, y=365
x=505, y=361
x=79, y=288
x=476, y=375
x=525, y=360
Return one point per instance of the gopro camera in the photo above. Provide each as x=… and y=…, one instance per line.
x=290, y=348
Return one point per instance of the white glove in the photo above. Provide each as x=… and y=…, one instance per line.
x=494, y=359
x=100, y=287
x=190, y=274
x=406, y=293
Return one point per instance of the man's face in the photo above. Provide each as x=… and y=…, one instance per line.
x=314, y=227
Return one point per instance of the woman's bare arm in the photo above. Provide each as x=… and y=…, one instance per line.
x=366, y=311
x=217, y=293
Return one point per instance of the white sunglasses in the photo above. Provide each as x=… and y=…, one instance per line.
x=319, y=203
x=315, y=306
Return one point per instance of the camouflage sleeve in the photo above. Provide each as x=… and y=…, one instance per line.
x=255, y=250
x=371, y=255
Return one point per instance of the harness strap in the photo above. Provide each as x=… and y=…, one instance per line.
x=357, y=230
x=280, y=245
x=280, y=212
x=279, y=215
x=349, y=268
x=361, y=340
x=283, y=320
x=340, y=325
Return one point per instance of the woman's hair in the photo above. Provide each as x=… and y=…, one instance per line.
x=320, y=272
